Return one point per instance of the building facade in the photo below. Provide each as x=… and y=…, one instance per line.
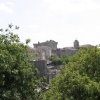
x=49, y=48
x=52, y=44
x=44, y=52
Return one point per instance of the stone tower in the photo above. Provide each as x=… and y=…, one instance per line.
x=76, y=44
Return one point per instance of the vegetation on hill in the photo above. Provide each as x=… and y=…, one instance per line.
x=79, y=79
x=17, y=76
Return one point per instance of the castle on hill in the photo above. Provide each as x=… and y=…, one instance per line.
x=42, y=51
x=49, y=48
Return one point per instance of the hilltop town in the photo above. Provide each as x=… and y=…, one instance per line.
x=49, y=48
x=44, y=50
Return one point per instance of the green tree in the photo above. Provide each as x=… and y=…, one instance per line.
x=79, y=79
x=17, y=75
x=59, y=60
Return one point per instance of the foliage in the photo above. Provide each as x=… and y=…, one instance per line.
x=79, y=79
x=59, y=60
x=17, y=75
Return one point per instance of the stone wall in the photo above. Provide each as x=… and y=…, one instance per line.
x=41, y=65
x=69, y=52
x=60, y=52
x=44, y=51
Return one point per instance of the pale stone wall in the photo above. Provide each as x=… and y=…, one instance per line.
x=33, y=52
x=44, y=51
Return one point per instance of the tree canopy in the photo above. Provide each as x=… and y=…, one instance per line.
x=59, y=60
x=79, y=79
x=17, y=75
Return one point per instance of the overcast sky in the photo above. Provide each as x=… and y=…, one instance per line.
x=59, y=20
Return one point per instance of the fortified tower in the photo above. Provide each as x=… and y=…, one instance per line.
x=76, y=44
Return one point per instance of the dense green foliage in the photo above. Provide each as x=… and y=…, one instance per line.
x=17, y=75
x=59, y=60
x=79, y=79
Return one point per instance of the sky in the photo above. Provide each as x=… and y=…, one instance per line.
x=60, y=20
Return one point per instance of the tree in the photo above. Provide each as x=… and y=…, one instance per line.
x=17, y=75
x=79, y=79
x=59, y=60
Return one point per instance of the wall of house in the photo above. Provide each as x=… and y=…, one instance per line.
x=41, y=65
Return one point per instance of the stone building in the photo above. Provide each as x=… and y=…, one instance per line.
x=67, y=50
x=49, y=48
x=44, y=70
x=34, y=53
x=44, y=52
x=52, y=44
x=70, y=50
x=41, y=65
x=40, y=53
x=45, y=49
